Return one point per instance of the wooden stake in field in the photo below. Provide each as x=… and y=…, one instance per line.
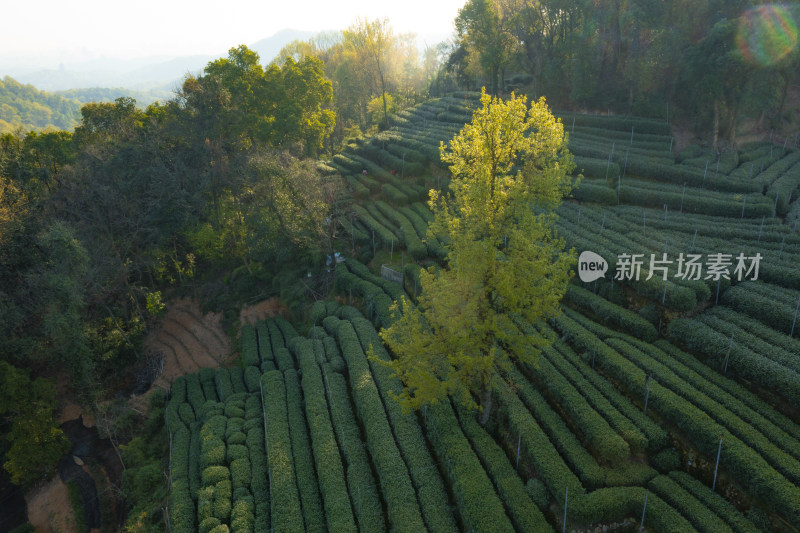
x=647, y=395
x=625, y=165
x=744, y=203
x=608, y=164
x=641, y=524
x=683, y=194
x=644, y=221
x=794, y=321
x=566, y=497
x=727, y=356
x=716, y=466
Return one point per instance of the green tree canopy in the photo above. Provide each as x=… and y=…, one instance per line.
x=238, y=102
x=36, y=443
x=510, y=168
x=481, y=28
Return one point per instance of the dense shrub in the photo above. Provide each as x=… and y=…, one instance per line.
x=182, y=513
x=523, y=513
x=301, y=449
x=393, y=475
x=611, y=313
x=330, y=472
x=214, y=474
x=713, y=501
x=410, y=440
x=250, y=355
x=360, y=480
x=252, y=376
x=287, y=514
x=194, y=392
x=264, y=345
x=595, y=191
x=535, y=446
x=240, y=472
x=413, y=243
x=702, y=339
x=740, y=460
x=222, y=379
x=537, y=492
x=666, y=460
x=212, y=451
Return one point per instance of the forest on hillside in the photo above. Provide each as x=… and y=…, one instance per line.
x=24, y=108
x=258, y=171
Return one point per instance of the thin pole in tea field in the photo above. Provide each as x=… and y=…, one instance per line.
x=716, y=467
x=641, y=524
x=683, y=194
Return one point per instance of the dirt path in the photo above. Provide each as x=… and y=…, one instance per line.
x=49, y=509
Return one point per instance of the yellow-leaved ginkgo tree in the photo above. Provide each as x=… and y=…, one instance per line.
x=510, y=169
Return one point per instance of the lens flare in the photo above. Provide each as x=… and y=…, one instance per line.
x=766, y=34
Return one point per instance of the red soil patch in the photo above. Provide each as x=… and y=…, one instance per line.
x=49, y=509
x=261, y=310
x=189, y=341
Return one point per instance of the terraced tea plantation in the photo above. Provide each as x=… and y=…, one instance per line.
x=665, y=397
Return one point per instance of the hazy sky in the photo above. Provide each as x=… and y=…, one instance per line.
x=94, y=28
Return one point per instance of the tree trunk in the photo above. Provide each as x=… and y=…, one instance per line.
x=716, y=125
x=385, y=110
x=383, y=92
x=732, y=126
x=486, y=406
x=784, y=92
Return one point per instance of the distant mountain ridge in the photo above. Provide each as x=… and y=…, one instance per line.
x=158, y=74
x=268, y=48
